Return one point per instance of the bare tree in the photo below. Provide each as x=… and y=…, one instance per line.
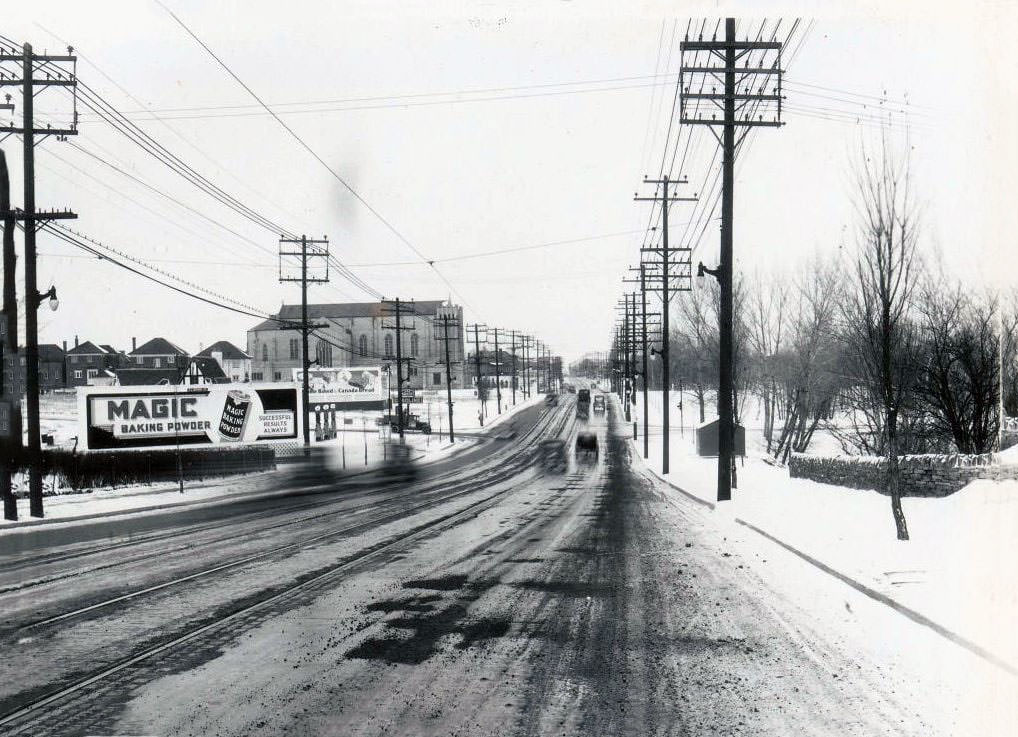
x=958, y=377
x=878, y=329
x=766, y=302
x=807, y=369
x=693, y=337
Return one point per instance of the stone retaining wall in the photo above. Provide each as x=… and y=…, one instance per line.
x=921, y=475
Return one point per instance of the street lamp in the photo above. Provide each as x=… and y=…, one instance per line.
x=702, y=271
x=54, y=303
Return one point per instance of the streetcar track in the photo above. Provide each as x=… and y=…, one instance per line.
x=429, y=485
x=467, y=486
x=361, y=557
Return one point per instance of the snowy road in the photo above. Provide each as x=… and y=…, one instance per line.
x=512, y=602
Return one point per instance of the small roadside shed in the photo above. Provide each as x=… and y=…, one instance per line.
x=707, y=439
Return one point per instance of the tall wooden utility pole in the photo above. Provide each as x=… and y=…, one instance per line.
x=752, y=92
x=666, y=198
x=477, y=327
x=397, y=309
x=513, y=333
x=55, y=76
x=448, y=319
x=526, y=339
x=310, y=250
x=10, y=386
x=498, y=375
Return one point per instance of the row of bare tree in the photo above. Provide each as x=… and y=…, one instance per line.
x=878, y=346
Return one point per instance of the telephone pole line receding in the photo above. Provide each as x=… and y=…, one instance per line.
x=310, y=250
x=757, y=84
x=58, y=76
x=397, y=309
x=477, y=328
x=666, y=198
x=448, y=321
x=498, y=375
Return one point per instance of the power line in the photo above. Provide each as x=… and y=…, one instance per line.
x=313, y=153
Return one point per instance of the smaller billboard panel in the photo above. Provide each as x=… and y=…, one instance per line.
x=344, y=387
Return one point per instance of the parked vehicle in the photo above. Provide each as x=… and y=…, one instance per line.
x=551, y=400
x=413, y=423
x=599, y=404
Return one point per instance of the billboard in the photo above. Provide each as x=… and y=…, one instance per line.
x=344, y=388
x=161, y=416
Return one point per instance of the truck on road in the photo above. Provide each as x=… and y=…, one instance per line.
x=583, y=404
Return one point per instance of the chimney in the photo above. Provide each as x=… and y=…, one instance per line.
x=134, y=344
x=65, y=346
x=75, y=341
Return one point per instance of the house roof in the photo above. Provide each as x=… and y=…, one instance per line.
x=87, y=348
x=341, y=311
x=209, y=368
x=229, y=350
x=108, y=348
x=50, y=352
x=148, y=376
x=158, y=347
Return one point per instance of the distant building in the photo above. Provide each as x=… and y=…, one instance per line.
x=235, y=363
x=52, y=370
x=158, y=353
x=87, y=361
x=355, y=336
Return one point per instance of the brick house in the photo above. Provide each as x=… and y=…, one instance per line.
x=157, y=353
x=87, y=361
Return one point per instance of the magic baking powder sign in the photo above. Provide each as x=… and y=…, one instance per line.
x=218, y=414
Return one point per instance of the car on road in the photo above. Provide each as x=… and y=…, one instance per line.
x=586, y=443
x=598, y=404
x=412, y=423
x=552, y=455
x=551, y=400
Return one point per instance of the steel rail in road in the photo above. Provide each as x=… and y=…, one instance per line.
x=462, y=487
x=363, y=556
x=344, y=484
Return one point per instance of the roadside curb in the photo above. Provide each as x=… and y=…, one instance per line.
x=854, y=583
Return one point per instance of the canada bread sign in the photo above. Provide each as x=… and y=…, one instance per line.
x=149, y=417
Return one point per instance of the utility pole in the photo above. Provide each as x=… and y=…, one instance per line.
x=312, y=250
x=526, y=365
x=448, y=321
x=10, y=386
x=752, y=85
x=666, y=198
x=498, y=375
x=513, y=333
x=477, y=327
x=396, y=308
x=643, y=314
x=59, y=76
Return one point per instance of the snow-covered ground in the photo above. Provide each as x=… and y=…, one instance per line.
x=958, y=569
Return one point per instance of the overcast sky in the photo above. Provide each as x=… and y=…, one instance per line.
x=555, y=117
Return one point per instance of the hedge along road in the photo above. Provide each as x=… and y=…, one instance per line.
x=593, y=602
x=51, y=539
